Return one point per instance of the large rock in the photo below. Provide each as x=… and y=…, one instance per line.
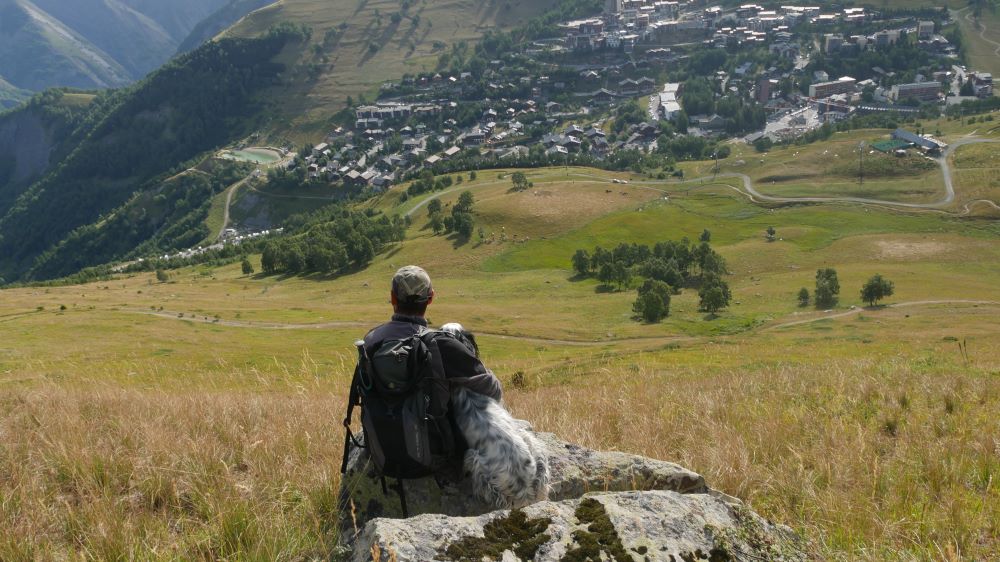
x=575, y=471
x=620, y=526
x=602, y=506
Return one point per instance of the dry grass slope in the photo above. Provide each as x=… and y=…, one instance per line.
x=358, y=44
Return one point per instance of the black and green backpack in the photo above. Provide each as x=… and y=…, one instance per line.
x=404, y=398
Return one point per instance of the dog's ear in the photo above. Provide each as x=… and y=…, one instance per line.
x=472, y=339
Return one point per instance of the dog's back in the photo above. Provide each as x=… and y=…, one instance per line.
x=508, y=466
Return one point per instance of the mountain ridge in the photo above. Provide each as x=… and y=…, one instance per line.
x=99, y=44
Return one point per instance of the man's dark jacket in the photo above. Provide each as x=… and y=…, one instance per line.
x=461, y=366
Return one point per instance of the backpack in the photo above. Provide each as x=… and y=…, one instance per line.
x=404, y=397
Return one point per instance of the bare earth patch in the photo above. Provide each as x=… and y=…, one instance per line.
x=568, y=201
x=899, y=249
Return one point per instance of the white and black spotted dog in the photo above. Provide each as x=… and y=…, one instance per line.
x=508, y=465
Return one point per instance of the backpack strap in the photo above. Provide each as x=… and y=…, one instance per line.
x=439, y=389
x=354, y=399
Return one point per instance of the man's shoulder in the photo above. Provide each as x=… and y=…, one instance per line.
x=391, y=330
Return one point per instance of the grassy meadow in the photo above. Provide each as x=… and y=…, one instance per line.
x=199, y=418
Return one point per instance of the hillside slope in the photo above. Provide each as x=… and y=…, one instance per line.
x=198, y=102
x=98, y=43
x=219, y=21
x=36, y=135
x=38, y=51
x=285, y=83
x=11, y=95
x=358, y=45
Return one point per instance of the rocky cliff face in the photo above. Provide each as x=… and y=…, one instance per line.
x=603, y=506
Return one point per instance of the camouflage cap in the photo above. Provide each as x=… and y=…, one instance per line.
x=411, y=285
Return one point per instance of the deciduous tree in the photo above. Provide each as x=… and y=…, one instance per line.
x=876, y=289
x=803, y=297
x=827, y=287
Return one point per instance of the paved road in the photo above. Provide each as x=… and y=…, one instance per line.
x=949, y=196
x=758, y=197
x=236, y=186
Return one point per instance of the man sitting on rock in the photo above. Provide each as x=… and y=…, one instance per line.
x=456, y=415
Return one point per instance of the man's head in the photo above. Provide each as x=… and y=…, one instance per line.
x=411, y=291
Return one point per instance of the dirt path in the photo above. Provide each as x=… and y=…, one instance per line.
x=229, y=201
x=983, y=30
x=757, y=197
x=859, y=310
x=202, y=319
x=652, y=340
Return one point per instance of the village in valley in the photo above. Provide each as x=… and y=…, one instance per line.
x=695, y=71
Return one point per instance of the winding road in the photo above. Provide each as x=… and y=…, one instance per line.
x=231, y=190
x=983, y=30
x=229, y=201
x=949, y=185
x=755, y=196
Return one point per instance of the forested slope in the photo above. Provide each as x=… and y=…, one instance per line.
x=140, y=136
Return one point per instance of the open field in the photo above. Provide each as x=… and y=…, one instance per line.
x=198, y=418
x=982, y=38
x=978, y=175
x=830, y=169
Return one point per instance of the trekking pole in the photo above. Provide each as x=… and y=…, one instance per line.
x=365, y=375
x=354, y=399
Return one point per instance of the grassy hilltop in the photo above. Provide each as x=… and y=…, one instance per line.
x=198, y=418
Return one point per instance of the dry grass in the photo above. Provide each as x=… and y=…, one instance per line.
x=365, y=48
x=871, y=459
x=110, y=473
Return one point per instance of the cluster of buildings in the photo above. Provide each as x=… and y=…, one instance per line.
x=982, y=84
x=522, y=111
x=375, y=116
x=669, y=106
x=628, y=23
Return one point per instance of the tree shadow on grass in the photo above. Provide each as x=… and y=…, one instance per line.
x=457, y=240
x=395, y=250
x=605, y=289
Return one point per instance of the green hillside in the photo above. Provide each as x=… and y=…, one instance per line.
x=194, y=104
x=36, y=136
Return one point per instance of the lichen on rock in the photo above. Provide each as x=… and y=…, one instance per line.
x=515, y=532
x=594, y=513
